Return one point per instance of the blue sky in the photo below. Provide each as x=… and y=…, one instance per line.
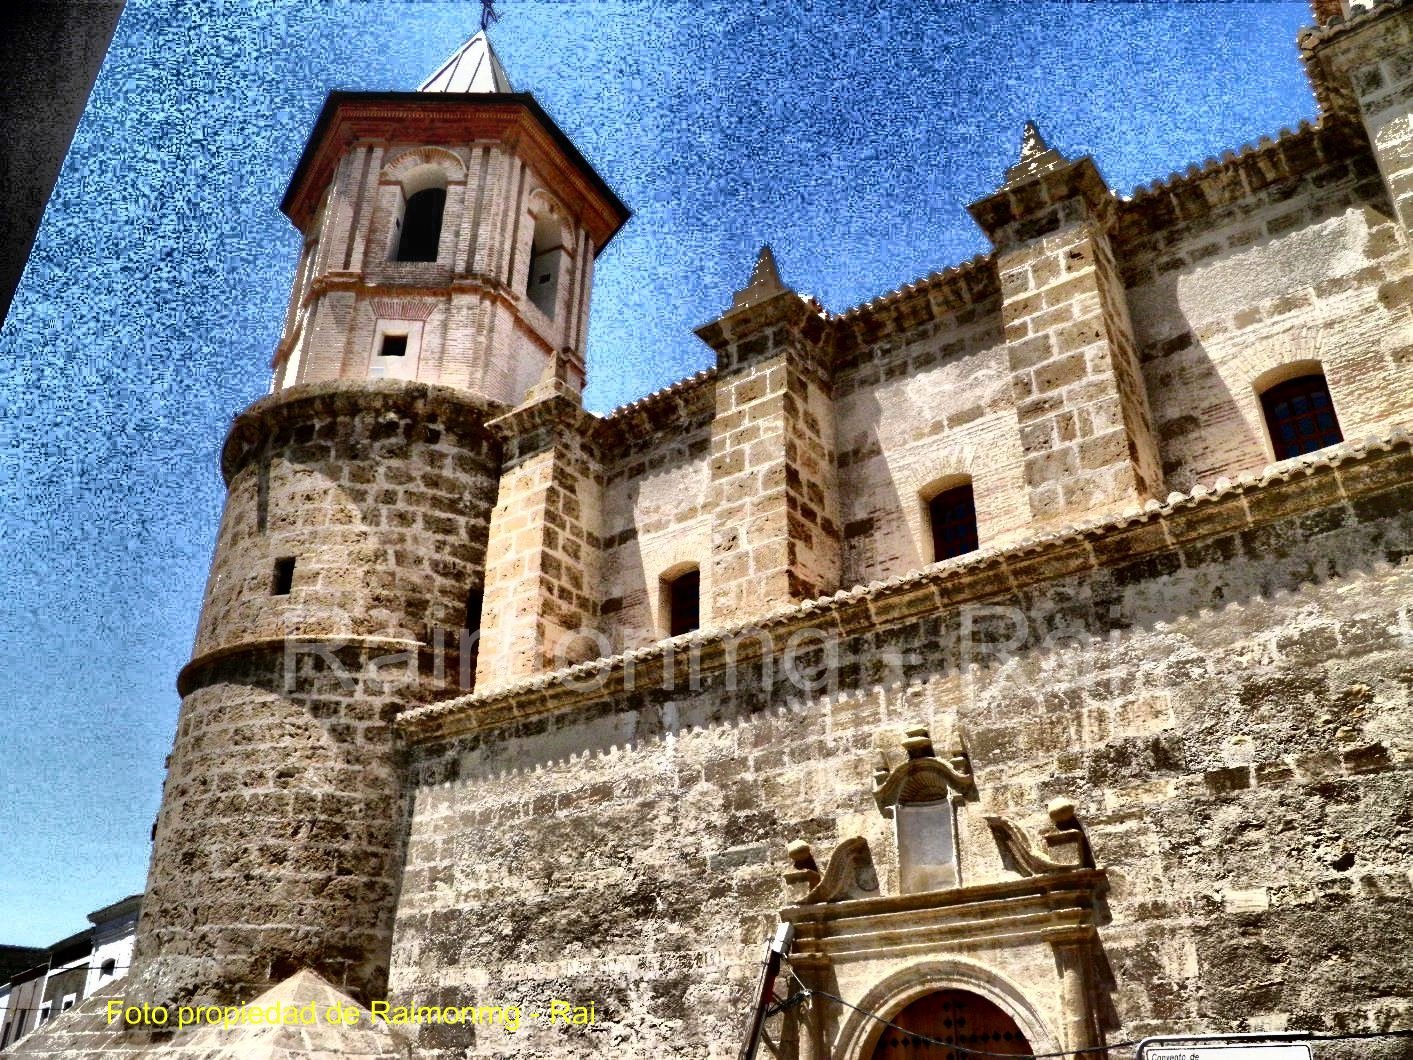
x=849, y=136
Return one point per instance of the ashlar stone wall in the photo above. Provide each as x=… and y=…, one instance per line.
x=1110, y=352
x=657, y=513
x=927, y=407
x=1231, y=289
x=1222, y=686
x=278, y=845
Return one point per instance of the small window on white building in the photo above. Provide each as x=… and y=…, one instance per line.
x=44, y=1011
x=107, y=968
x=69, y=1001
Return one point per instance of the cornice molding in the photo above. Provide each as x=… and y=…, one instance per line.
x=515, y=120
x=348, y=397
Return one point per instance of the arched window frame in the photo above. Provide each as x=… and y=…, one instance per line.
x=420, y=200
x=550, y=251
x=1272, y=386
x=414, y=171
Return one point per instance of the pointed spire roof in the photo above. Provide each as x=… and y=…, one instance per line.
x=1036, y=156
x=765, y=280
x=473, y=67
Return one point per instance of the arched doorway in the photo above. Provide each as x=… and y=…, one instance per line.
x=958, y=1017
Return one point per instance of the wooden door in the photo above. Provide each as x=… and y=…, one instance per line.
x=956, y=1017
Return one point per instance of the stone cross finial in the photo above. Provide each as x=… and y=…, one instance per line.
x=1036, y=156
x=764, y=282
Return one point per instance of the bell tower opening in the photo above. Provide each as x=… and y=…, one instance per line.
x=546, y=253
x=954, y=1017
x=421, y=226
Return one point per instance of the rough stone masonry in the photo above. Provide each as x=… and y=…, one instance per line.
x=1138, y=764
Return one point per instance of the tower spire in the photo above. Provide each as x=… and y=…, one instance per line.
x=764, y=282
x=1036, y=156
x=474, y=67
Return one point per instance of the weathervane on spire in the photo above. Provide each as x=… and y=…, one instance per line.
x=489, y=15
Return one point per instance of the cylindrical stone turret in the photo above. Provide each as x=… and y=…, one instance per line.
x=355, y=525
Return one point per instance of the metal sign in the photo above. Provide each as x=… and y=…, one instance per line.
x=1228, y=1052
x=1221, y=1048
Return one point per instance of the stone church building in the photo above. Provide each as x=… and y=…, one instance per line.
x=1034, y=641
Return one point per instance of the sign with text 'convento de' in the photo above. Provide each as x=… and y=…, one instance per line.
x=1226, y=1051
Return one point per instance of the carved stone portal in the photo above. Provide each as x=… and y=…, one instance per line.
x=1014, y=936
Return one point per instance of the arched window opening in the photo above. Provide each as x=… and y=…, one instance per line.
x=421, y=225
x=1300, y=416
x=954, y=1017
x=682, y=600
x=952, y=516
x=546, y=261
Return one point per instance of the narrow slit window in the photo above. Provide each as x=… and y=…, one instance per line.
x=684, y=602
x=393, y=346
x=284, y=576
x=471, y=638
x=1300, y=416
x=474, y=599
x=952, y=514
x=422, y=225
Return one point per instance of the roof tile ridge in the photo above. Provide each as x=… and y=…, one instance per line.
x=1230, y=156
x=923, y=283
x=653, y=397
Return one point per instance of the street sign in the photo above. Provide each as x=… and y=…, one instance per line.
x=1226, y=1051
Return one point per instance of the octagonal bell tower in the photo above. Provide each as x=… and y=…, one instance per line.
x=449, y=240
x=449, y=237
